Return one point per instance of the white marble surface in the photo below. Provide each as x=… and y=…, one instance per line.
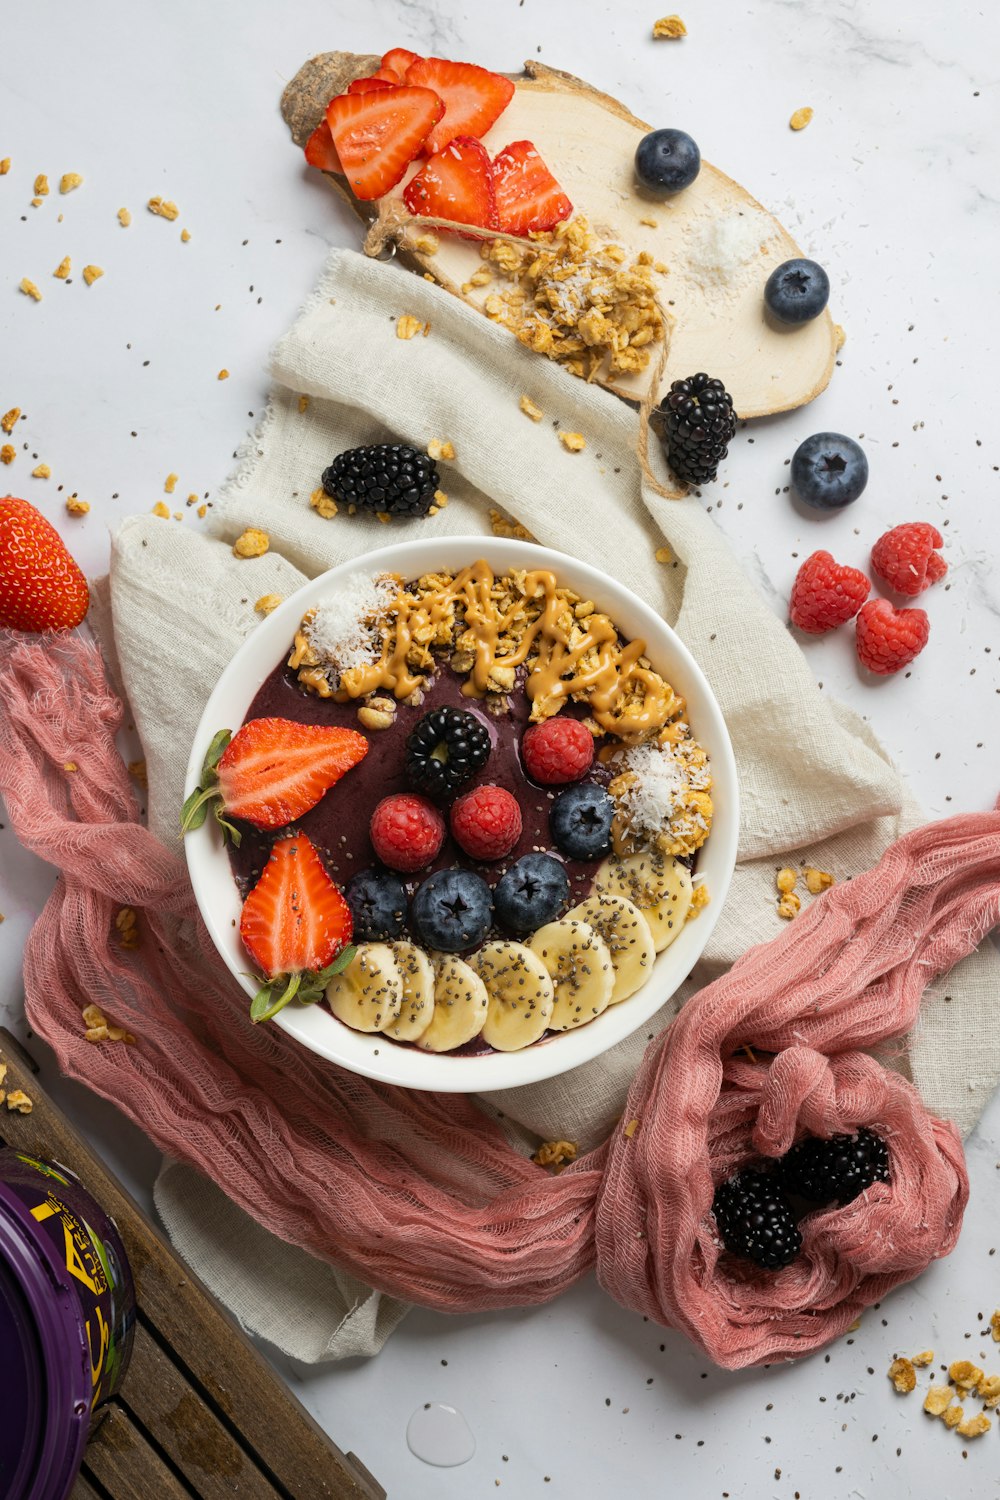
x=893, y=187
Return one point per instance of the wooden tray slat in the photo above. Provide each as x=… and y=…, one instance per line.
x=188, y=1349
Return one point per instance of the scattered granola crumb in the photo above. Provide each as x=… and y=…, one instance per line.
x=669, y=28
x=9, y=419
x=251, y=543
x=938, y=1399
x=800, y=119
x=63, y=269
x=630, y=1129
x=817, y=880
x=160, y=509
x=41, y=188
x=267, y=603
x=663, y=555
x=7, y=454
x=427, y=329
x=18, y=1100
x=29, y=289
x=407, y=326
x=555, y=1153
x=953, y=1415
x=170, y=484
x=70, y=765
x=573, y=442
x=124, y=217
x=4, y=166
x=839, y=337
x=68, y=181
x=964, y=1374
x=192, y=499
x=995, y=1326
x=185, y=236
x=903, y=1376
x=202, y=512
x=127, y=925
x=383, y=517
x=975, y=1425
x=440, y=448
x=426, y=243
x=482, y=277
x=530, y=409
x=700, y=898
x=989, y=1389
x=41, y=471
x=100, y=1029
x=76, y=506
x=789, y=905
x=222, y=375
x=92, y=274
x=3, y=1071
x=163, y=208
x=650, y=223
x=785, y=879
x=924, y=1358
x=501, y=525
x=324, y=504
x=137, y=771
x=303, y=404
x=440, y=499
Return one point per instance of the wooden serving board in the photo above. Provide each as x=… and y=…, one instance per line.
x=200, y=1413
x=589, y=139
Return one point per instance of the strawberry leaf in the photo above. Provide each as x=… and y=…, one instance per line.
x=264, y=1005
x=195, y=810
x=214, y=753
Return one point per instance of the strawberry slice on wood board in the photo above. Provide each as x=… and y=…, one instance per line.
x=41, y=587
x=456, y=183
x=528, y=196
x=296, y=926
x=270, y=772
x=474, y=98
x=378, y=134
x=320, y=150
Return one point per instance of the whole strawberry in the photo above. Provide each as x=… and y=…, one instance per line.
x=905, y=557
x=889, y=638
x=826, y=594
x=41, y=587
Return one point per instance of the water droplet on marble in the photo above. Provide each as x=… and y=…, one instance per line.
x=440, y=1435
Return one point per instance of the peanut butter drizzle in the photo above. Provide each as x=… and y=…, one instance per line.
x=556, y=672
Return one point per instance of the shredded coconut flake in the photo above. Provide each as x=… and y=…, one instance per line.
x=723, y=250
x=343, y=629
x=663, y=776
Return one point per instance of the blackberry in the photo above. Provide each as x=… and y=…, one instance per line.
x=835, y=1170
x=445, y=749
x=388, y=477
x=755, y=1220
x=696, y=423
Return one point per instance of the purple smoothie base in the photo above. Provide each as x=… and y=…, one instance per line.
x=338, y=824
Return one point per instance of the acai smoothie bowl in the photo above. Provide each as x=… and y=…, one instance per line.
x=461, y=814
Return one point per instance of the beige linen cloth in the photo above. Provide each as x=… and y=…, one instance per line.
x=813, y=780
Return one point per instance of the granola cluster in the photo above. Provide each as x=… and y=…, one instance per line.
x=577, y=300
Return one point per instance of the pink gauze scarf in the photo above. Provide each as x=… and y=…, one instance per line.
x=419, y=1194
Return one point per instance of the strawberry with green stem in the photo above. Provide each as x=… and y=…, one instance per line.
x=296, y=926
x=269, y=773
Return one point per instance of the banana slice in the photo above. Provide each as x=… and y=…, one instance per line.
x=522, y=996
x=579, y=965
x=417, y=975
x=369, y=992
x=460, y=1005
x=626, y=932
x=658, y=885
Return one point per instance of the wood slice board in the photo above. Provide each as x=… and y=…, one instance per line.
x=200, y=1413
x=589, y=139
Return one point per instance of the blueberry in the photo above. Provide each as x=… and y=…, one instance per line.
x=829, y=470
x=666, y=161
x=797, y=291
x=580, y=821
x=533, y=892
x=378, y=905
x=453, y=910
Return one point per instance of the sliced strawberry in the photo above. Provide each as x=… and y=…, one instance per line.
x=320, y=150
x=399, y=59
x=372, y=84
x=473, y=97
x=378, y=134
x=528, y=196
x=271, y=772
x=294, y=924
x=457, y=183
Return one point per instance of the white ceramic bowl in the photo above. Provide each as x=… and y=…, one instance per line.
x=376, y=1056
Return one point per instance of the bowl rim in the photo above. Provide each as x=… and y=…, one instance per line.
x=371, y=1054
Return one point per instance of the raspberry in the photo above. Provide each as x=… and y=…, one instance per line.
x=561, y=749
x=406, y=831
x=905, y=557
x=825, y=594
x=889, y=638
x=486, y=822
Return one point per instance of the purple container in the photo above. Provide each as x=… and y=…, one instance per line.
x=67, y=1311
